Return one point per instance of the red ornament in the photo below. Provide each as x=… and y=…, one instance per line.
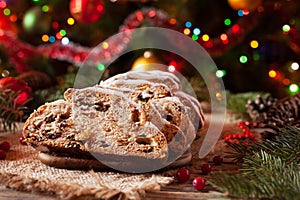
x=10, y=84
x=206, y=168
x=87, y=11
x=199, y=183
x=183, y=175
x=5, y=146
x=2, y=155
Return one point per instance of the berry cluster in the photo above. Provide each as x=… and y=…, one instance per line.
x=183, y=174
x=4, y=148
x=247, y=135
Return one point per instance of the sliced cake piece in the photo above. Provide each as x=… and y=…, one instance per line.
x=51, y=129
x=109, y=117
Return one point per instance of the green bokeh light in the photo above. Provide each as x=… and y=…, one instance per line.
x=243, y=59
x=227, y=22
x=294, y=88
x=220, y=73
x=6, y=11
x=195, y=37
x=286, y=28
x=63, y=32
x=101, y=67
x=45, y=8
x=29, y=19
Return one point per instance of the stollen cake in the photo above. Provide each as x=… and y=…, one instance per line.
x=137, y=116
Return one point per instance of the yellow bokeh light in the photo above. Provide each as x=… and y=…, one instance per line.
x=205, y=37
x=104, y=45
x=70, y=21
x=254, y=44
x=272, y=73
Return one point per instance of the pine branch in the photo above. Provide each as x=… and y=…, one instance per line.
x=269, y=169
x=10, y=112
x=262, y=176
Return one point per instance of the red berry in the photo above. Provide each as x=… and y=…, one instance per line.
x=21, y=140
x=2, y=155
x=5, y=146
x=183, y=175
x=206, y=168
x=217, y=160
x=199, y=183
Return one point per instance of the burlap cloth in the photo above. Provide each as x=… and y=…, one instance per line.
x=21, y=170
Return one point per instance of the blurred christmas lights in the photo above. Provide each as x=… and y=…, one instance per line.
x=272, y=73
x=294, y=88
x=220, y=73
x=212, y=44
x=243, y=59
x=294, y=66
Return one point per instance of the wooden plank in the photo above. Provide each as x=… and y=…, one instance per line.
x=184, y=195
x=6, y=193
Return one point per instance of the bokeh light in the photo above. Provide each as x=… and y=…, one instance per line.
x=272, y=73
x=45, y=8
x=196, y=31
x=65, y=40
x=254, y=44
x=220, y=73
x=51, y=39
x=240, y=13
x=101, y=67
x=205, y=37
x=188, y=24
x=286, y=28
x=227, y=22
x=45, y=38
x=70, y=21
x=195, y=37
x=105, y=45
x=186, y=31
x=294, y=66
x=171, y=68
x=294, y=88
x=286, y=81
x=6, y=11
x=243, y=59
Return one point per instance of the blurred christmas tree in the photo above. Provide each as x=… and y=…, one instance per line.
x=254, y=43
